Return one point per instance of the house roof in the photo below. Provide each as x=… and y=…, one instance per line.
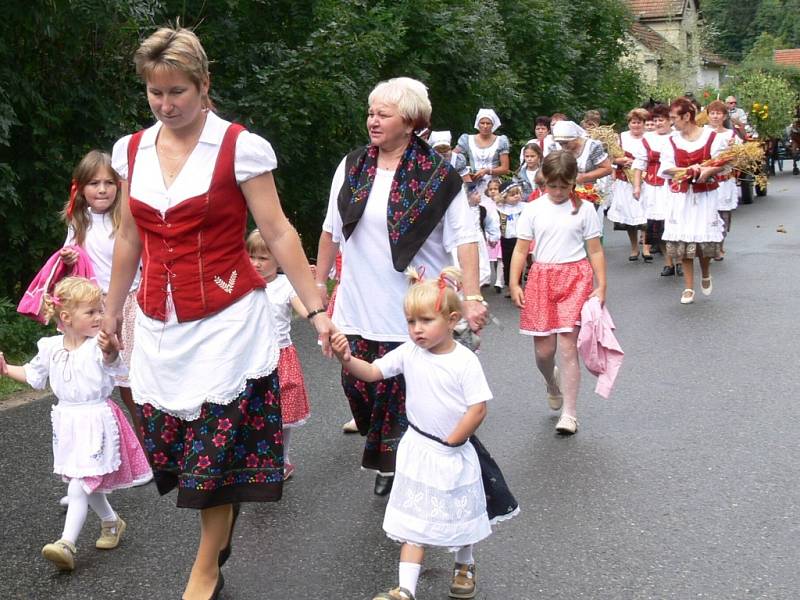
x=651, y=39
x=788, y=58
x=656, y=9
x=712, y=58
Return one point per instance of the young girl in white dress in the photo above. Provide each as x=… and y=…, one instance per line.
x=94, y=448
x=295, y=409
x=567, y=232
x=438, y=496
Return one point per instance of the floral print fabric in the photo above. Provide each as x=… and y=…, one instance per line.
x=231, y=453
x=379, y=408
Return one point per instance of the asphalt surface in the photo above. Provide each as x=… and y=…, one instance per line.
x=684, y=484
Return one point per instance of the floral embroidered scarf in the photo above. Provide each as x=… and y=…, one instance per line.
x=423, y=187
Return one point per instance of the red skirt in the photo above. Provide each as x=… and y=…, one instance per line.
x=294, y=400
x=554, y=296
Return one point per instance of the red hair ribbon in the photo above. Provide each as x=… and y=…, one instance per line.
x=443, y=283
x=73, y=191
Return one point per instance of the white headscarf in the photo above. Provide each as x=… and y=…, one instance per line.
x=440, y=138
x=488, y=113
x=563, y=131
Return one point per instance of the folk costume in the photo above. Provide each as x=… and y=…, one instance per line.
x=383, y=222
x=488, y=157
x=693, y=226
x=655, y=195
x=626, y=212
x=204, y=366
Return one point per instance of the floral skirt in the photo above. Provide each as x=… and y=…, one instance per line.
x=681, y=250
x=379, y=408
x=294, y=399
x=554, y=296
x=230, y=453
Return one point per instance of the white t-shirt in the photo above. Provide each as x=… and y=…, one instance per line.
x=439, y=387
x=719, y=144
x=369, y=301
x=99, y=245
x=559, y=234
x=179, y=366
x=510, y=212
x=280, y=293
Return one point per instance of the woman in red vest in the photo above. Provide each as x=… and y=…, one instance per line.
x=203, y=369
x=693, y=227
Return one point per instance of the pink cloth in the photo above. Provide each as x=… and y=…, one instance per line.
x=53, y=271
x=598, y=347
x=133, y=468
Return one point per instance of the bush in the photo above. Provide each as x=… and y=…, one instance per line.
x=18, y=334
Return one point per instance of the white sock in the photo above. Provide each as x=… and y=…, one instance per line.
x=409, y=574
x=76, y=511
x=100, y=505
x=464, y=556
x=287, y=435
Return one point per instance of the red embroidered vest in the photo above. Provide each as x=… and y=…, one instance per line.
x=653, y=165
x=619, y=172
x=684, y=158
x=197, y=248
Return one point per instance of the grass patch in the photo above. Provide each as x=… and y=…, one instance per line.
x=9, y=387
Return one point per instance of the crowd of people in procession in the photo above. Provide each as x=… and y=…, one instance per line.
x=192, y=319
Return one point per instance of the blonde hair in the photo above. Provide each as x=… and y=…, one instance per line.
x=409, y=95
x=255, y=243
x=84, y=172
x=176, y=49
x=425, y=294
x=68, y=294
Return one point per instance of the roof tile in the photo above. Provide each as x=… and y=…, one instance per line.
x=788, y=58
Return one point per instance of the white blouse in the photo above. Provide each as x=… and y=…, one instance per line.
x=175, y=366
x=280, y=293
x=719, y=144
x=369, y=301
x=99, y=245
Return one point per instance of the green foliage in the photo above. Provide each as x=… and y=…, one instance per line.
x=737, y=25
x=18, y=334
x=297, y=72
x=756, y=90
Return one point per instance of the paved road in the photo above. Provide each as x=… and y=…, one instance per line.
x=682, y=485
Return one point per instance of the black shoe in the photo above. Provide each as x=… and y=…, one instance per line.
x=225, y=553
x=668, y=271
x=679, y=270
x=648, y=258
x=383, y=484
x=634, y=258
x=498, y=289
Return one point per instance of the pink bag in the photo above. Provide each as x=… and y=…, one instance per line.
x=53, y=271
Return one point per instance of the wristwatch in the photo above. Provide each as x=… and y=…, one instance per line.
x=474, y=298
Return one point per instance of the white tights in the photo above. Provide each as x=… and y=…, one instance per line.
x=79, y=503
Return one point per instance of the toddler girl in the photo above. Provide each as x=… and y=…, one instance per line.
x=489, y=200
x=94, y=448
x=92, y=215
x=446, y=395
x=282, y=298
x=559, y=281
x=509, y=211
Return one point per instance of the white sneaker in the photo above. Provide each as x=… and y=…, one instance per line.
x=567, y=425
x=350, y=427
x=64, y=501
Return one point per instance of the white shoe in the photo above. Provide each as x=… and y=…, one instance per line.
x=556, y=400
x=706, y=290
x=567, y=425
x=687, y=297
x=64, y=501
x=350, y=427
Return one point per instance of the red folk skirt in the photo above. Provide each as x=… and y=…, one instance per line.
x=554, y=296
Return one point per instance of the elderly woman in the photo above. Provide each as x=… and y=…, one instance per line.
x=394, y=203
x=486, y=152
x=203, y=367
x=594, y=164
